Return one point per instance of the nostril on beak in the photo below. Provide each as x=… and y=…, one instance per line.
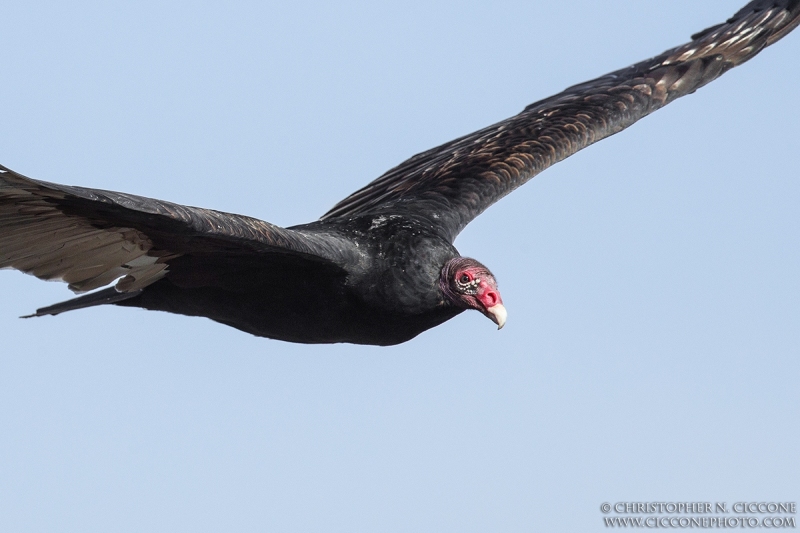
x=491, y=299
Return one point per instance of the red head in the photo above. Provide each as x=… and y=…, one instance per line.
x=469, y=285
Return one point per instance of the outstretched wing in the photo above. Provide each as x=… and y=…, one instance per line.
x=452, y=184
x=90, y=238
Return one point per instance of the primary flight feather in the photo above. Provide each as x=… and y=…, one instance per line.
x=380, y=267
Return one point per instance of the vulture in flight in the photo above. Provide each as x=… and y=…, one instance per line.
x=379, y=267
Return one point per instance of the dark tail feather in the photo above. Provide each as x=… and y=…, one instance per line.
x=106, y=296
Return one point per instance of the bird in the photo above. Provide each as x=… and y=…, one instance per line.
x=378, y=268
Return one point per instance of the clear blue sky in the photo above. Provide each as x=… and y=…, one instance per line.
x=651, y=350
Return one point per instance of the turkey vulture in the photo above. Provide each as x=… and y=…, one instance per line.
x=379, y=267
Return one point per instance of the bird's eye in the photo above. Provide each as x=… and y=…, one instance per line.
x=464, y=278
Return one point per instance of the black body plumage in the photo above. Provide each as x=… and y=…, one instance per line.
x=391, y=278
x=370, y=270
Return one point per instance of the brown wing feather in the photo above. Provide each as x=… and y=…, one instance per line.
x=89, y=238
x=455, y=182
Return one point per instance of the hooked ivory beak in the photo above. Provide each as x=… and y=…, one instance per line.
x=498, y=315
